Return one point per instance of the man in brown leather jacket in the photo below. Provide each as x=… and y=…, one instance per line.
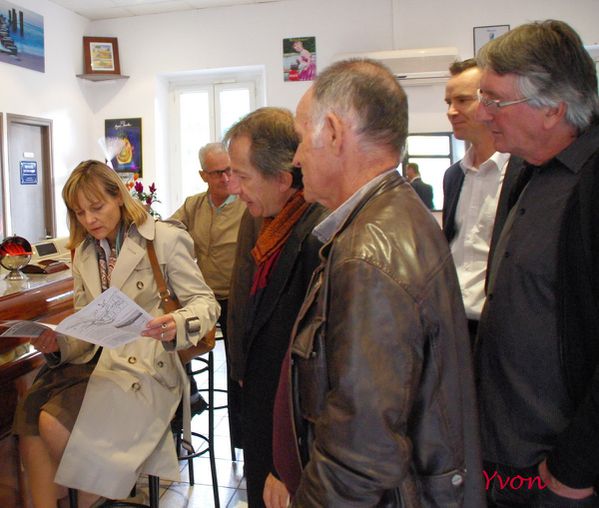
x=380, y=345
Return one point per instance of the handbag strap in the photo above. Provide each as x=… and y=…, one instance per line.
x=165, y=295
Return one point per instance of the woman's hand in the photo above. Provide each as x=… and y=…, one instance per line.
x=46, y=343
x=275, y=493
x=161, y=328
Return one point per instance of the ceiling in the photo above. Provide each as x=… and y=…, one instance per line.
x=106, y=9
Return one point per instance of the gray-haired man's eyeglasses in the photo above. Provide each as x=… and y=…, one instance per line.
x=495, y=104
x=218, y=173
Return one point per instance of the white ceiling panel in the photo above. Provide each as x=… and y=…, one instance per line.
x=108, y=9
x=158, y=8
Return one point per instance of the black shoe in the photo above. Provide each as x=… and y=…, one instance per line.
x=198, y=406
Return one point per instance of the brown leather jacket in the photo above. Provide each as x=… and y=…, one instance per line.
x=382, y=366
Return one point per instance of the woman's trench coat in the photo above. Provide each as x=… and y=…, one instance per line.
x=123, y=427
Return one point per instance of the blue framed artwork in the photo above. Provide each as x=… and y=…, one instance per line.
x=127, y=132
x=21, y=37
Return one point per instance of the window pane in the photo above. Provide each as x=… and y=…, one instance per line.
x=195, y=132
x=428, y=145
x=234, y=104
x=431, y=172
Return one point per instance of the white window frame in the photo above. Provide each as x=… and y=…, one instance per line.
x=213, y=82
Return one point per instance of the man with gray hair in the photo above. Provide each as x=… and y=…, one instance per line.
x=212, y=219
x=386, y=412
x=538, y=349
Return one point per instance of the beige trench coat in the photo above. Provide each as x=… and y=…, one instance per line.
x=123, y=427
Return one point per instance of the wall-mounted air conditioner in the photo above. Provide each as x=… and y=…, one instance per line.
x=593, y=50
x=424, y=66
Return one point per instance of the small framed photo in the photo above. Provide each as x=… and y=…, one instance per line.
x=101, y=55
x=484, y=34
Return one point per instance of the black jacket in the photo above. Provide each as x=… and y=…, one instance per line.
x=424, y=190
x=574, y=459
x=452, y=187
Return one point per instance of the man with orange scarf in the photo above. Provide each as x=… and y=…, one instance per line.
x=261, y=148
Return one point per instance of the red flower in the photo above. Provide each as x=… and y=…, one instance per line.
x=136, y=188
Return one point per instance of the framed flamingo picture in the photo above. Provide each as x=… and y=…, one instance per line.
x=299, y=59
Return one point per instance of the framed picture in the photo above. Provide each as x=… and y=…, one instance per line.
x=101, y=55
x=299, y=59
x=484, y=34
x=21, y=37
x=124, y=134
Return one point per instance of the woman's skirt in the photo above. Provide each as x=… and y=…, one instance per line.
x=59, y=391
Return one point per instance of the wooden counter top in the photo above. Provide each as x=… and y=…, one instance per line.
x=47, y=298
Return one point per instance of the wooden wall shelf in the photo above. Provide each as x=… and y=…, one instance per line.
x=102, y=77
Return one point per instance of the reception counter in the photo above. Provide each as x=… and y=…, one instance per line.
x=45, y=298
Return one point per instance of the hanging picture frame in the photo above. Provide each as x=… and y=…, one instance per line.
x=484, y=34
x=299, y=59
x=21, y=37
x=101, y=55
x=127, y=133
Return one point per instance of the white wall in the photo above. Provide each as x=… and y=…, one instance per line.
x=450, y=23
x=247, y=35
x=55, y=94
x=152, y=47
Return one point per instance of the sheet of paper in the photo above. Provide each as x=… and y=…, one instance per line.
x=24, y=329
x=111, y=320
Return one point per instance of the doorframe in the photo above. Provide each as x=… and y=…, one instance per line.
x=47, y=158
x=3, y=209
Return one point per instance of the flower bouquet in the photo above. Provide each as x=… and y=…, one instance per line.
x=147, y=199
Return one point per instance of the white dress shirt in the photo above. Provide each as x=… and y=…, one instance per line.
x=474, y=219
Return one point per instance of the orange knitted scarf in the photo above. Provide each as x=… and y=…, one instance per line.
x=275, y=230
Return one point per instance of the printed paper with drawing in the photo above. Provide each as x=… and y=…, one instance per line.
x=111, y=320
x=17, y=328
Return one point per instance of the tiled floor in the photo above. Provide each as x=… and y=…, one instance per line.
x=231, y=485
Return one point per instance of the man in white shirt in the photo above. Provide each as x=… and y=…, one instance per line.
x=471, y=189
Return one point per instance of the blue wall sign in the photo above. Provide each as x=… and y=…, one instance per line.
x=28, y=172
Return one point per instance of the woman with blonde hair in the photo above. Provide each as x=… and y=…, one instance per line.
x=96, y=418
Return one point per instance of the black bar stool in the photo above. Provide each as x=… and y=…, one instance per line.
x=187, y=451
x=154, y=483
x=220, y=336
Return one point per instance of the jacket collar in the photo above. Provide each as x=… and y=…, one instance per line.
x=376, y=186
x=328, y=227
x=132, y=251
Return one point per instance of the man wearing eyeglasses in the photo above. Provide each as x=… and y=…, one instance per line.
x=471, y=189
x=212, y=219
x=538, y=347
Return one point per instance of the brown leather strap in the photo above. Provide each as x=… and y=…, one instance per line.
x=170, y=304
x=165, y=296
